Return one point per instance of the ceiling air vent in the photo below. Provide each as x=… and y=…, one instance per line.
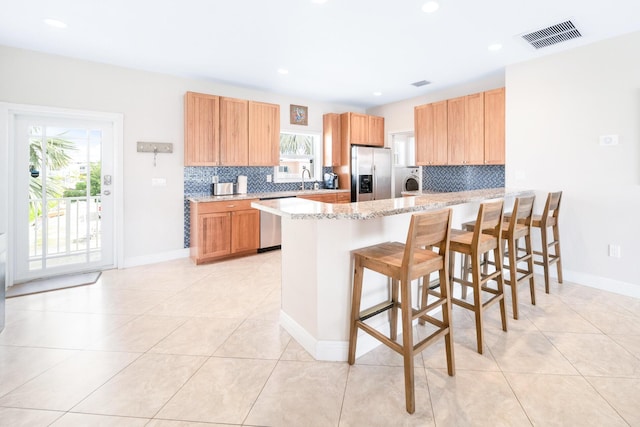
x=420, y=83
x=552, y=35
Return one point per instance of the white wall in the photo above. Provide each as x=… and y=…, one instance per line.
x=152, y=105
x=557, y=107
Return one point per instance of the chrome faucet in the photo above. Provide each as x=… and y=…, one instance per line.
x=304, y=169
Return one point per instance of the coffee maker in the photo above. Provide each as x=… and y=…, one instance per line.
x=330, y=180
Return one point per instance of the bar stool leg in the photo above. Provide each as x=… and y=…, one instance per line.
x=556, y=239
x=477, y=299
x=446, y=318
x=529, y=249
x=512, y=246
x=407, y=344
x=500, y=281
x=394, y=310
x=545, y=257
x=356, y=298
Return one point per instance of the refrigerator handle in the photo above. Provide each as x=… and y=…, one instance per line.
x=375, y=182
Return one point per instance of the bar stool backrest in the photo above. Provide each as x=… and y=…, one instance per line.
x=489, y=221
x=427, y=230
x=551, y=210
x=522, y=212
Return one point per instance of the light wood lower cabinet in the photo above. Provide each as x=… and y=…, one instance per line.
x=223, y=229
x=342, y=197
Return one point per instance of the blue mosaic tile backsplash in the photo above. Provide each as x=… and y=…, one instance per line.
x=461, y=178
x=197, y=182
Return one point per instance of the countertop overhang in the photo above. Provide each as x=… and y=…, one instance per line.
x=296, y=208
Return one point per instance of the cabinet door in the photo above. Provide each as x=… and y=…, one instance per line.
x=234, y=132
x=431, y=133
x=245, y=230
x=343, y=198
x=331, y=139
x=214, y=235
x=201, y=129
x=324, y=198
x=494, y=124
x=422, y=118
x=474, y=129
x=456, y=130
x=264, y=134
x=376, y=131
x=440, y=134
x=358, y=129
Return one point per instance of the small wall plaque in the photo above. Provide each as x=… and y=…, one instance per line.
x=298, y=115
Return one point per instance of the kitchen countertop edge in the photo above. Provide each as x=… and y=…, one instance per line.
x=308, y=209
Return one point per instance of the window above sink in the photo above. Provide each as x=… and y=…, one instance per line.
x=298, y=150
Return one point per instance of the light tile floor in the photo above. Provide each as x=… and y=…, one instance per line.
x=173, y=344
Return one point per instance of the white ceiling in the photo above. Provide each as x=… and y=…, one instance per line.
x=341, y=51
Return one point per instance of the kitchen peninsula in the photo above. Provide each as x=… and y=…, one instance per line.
x=317, y=269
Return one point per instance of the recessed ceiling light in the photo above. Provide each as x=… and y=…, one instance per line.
x=494, y=47
x=430, y=6
x=377, y=93
x=283, y=71
x=54, y=23
x=319, y=1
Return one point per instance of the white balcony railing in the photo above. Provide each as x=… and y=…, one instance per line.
x=65, y=230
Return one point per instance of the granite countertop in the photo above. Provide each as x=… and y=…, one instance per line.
x=308, y=209
x=268, y=195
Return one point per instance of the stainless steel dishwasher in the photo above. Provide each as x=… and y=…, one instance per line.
x=270, y=229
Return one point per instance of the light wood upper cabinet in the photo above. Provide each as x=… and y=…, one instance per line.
x=474, y=129
x=264, y=134
x=431, y=134
x=362, y=129
x=358, y=128
x=465, y=124
x=234, y=132
x=376, y=131
x=331, y=139
x=494, y=127
x=456, y=130
x=201, y=129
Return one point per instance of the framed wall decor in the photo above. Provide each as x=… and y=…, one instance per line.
x=298, y=115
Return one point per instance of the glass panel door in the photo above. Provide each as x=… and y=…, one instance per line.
x=64, y=209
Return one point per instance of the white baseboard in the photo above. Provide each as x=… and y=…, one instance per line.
x=155, y=258
x=603, y=283
x=334, y=351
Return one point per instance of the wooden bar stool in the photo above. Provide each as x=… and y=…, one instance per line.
x=474, y=244
x=403, y=263
x=512, y=232
x=549, y=220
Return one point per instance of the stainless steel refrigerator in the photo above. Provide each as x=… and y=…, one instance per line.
x=370, y=173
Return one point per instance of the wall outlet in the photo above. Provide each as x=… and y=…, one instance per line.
x=615, y=251
x=608, y=140
x=158, y=182
x=268, y=178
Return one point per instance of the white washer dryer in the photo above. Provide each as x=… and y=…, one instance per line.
x=407, y=179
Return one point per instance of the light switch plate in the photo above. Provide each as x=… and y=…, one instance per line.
x=158, y=182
